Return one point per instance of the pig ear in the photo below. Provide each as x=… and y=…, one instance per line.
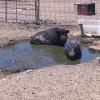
x=67, y=31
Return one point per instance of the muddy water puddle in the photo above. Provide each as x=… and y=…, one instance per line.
x=23, y=56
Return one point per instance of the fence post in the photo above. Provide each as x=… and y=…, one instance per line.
x=37, y=15
x=82, y=30
x=6, y=10
x=38, y=10
x=16, y=10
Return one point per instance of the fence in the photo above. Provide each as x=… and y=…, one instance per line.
x=57, y=11
x=63, y=12
x=18, y=10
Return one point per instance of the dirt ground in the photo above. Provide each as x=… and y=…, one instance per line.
x=11, y=32
x=59, y=82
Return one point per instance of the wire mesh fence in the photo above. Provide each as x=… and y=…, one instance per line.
x=64, y=12
x=57, y=11
x=17, y=10
x=61, y=12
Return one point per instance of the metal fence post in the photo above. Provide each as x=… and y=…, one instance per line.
x=6, y=10
x=38, y=10
x=37, y=15
x=16, y=10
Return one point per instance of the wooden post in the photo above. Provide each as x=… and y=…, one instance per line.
x=82, y=30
